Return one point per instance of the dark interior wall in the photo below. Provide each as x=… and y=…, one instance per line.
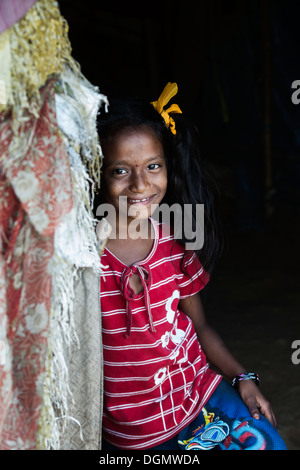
x=234, y=62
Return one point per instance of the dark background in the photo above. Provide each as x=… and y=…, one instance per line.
x=234, y=62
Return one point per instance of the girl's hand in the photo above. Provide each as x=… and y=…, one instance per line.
x=255, y=401
x=219, y=355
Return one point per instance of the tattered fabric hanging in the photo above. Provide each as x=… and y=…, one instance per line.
x=49, y=256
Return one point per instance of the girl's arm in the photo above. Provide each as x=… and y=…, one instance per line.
x=219, y=355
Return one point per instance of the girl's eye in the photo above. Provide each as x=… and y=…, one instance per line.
x=119, y=171
x=154, y=166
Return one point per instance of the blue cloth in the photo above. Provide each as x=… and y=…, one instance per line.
x=225, y=423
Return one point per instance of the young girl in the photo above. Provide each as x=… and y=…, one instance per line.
x=159, y=391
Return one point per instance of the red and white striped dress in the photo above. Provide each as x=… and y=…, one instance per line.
x=156, y=376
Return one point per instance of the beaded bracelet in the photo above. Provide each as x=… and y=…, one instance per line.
x=245, y=376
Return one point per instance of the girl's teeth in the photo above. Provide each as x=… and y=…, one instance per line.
x=140, y=200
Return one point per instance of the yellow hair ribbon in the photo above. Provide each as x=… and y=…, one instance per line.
x=169, y=91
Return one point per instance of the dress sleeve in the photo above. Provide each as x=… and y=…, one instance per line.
x=195, y=277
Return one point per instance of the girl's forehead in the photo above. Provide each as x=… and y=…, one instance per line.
x=131, y=141
x=136, y=133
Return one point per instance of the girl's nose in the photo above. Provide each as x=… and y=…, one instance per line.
x=138, y=182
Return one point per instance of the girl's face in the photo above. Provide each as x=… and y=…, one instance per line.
x=134, y=167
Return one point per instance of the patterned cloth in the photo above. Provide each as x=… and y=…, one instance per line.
x=36, y=192
x=225, y=423
x=156, y=376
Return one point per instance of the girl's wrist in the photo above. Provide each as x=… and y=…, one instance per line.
x=243, y=377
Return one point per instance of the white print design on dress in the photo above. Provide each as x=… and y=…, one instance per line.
x=168, y=307
x=160, y=376
x=175, y=336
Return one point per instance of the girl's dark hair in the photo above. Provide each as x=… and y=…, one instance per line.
x=188, y=180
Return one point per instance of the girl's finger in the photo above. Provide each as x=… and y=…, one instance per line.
x=267, y=411
x=253, y=408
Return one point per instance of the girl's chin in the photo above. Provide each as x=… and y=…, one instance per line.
x=139, y=212
x=138, y=219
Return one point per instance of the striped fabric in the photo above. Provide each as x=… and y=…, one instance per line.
x=156, y=377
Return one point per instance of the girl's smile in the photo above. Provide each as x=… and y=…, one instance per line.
x=135, y=168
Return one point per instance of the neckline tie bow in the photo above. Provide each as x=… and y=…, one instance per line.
x=144, y=274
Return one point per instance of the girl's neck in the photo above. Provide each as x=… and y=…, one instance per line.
x=133, y=229
x=132, y=243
